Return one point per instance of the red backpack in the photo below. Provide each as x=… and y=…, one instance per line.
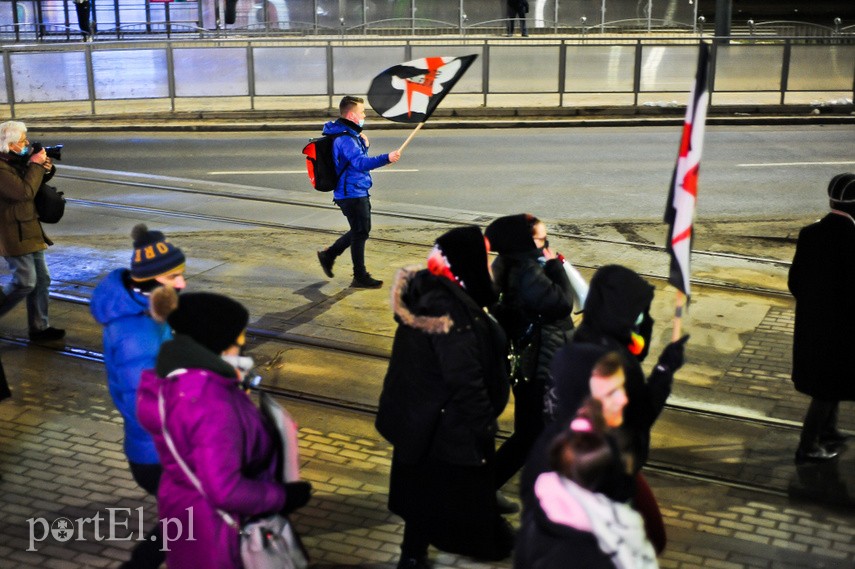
x=320, y=163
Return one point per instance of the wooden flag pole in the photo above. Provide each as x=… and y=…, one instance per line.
x=679, y=303
x=409, y=138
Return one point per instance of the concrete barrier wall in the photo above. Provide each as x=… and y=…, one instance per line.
x=264, y=74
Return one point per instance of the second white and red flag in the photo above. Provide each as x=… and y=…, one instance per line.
x=683, y=193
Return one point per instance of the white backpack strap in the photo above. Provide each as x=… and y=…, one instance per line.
x=161, y=408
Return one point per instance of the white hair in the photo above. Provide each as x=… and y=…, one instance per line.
x=11, y=132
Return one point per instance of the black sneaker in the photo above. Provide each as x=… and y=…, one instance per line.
x=326, y=262
x=414, y=563
x=365, y=281
x=506, y=506
x=49, y=334
x=818, y=454
x=833, y=440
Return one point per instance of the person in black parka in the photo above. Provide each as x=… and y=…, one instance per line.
x=445, y=387
x=822, y=280
x=534, y=308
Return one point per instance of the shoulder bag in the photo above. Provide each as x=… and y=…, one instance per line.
x=269, y=542
x=50, y=204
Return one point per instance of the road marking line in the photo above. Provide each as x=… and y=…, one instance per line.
x=232, y=172
x=841, y=163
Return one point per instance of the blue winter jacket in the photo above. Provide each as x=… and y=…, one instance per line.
x=132, y=340
x=350, y=153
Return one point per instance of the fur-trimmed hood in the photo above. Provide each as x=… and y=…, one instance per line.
x=419, y=300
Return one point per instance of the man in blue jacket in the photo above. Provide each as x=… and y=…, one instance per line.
x=132, y=339
x=350, y=152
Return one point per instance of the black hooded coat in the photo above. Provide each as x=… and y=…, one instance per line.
x=822, y=279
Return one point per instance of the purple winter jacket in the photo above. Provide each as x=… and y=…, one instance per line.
x=220, y=434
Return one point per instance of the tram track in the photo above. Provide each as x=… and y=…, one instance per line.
x=671, y=469
x=380, y=213
x=326, y=347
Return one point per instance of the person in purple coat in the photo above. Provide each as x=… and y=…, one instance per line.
x=216, y=430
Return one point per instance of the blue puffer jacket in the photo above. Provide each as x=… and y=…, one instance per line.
x=350, y=149
x=132, y=340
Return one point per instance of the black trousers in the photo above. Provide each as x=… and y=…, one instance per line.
x=358, y=214
x=528, y=424
x=5, y=392
x=83, y=11
x=820, y=421
x=514, y=14
x=147, y=554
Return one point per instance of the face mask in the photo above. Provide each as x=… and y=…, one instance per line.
x=361, y=123
x=241, y=363
x=24, y=150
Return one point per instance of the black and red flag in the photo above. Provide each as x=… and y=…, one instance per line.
x=683, y=194
x=410, y=92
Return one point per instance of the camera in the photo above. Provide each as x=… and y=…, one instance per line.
x=53, y=152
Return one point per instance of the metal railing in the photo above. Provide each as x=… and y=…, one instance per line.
x=52, y=20
x=249, y=74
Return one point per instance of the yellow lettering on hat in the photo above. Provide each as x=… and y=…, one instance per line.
x=137, y=255
x=162, y=248
x=149, y=252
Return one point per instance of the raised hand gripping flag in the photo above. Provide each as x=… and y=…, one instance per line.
x=683, y=194
x=410, y=92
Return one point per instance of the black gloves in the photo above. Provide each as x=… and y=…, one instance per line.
x=672, y=357
x=297, y=494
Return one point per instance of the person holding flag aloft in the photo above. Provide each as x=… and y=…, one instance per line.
x=350, y=153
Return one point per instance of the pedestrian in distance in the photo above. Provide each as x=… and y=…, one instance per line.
x=132, y=340
x=822, y=280
x=570, y=518
x=22, y=238
x=350, y=154
x=84, y=21
x=534, y=308
x=219, y=455
x=517, y=9
x=446, y=385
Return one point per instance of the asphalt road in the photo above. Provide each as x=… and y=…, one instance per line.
x=580, y=174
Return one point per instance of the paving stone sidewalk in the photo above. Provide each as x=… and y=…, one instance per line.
x=68, y=463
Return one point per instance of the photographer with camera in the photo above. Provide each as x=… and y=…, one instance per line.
x=23, y=169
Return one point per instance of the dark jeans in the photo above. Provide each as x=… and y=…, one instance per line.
x=83, y=11
x=514, y=14
x=358, y=214
x=820, y=421
x=147, y=554
x=528, y=424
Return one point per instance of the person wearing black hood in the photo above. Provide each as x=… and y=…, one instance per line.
x=446, y=385
x=534, y=308
x=617, y=318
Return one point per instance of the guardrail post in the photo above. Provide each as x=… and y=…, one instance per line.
x=10, y=87
x=636, y=74
x=250, y=75
x=713, y=63
x=562, y=72
x=170, y=74
x=90, y=77
x=330, y=78
x=785, y=69
x=485, y=72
